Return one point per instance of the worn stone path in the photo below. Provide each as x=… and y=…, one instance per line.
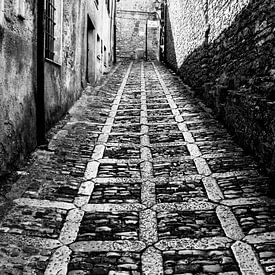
x=140, y=180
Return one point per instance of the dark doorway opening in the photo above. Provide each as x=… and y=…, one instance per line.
x=91, y=44
x=39, y=97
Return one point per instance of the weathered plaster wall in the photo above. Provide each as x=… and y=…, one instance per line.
x=103, y=21
x=224, y=49
x=65, y=81
x=17, y=85
x=131, y=30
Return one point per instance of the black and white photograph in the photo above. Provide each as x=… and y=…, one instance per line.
x=137, y=137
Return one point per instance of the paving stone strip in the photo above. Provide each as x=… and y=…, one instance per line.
x=143, y=181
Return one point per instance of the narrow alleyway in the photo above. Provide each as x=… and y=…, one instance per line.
x=140, y=180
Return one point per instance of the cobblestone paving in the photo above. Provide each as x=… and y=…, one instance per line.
x=140, y=180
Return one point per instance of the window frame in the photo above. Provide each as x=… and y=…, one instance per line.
x=57, y=47
x=49, y=29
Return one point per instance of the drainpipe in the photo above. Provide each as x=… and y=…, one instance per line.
x=39, y=97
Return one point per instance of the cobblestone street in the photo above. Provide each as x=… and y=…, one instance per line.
x=139, y=179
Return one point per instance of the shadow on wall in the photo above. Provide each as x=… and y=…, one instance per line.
x=235, y=75
x=17, y=89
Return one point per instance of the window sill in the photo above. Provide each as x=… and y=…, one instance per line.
x=53, y=62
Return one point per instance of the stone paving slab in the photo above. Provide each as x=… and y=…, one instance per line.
x=18, y=256
x=195, y=224
x=200, y=262
x=178, y=190
x=105, y=263
x=116, y=193
x=141, y=180
x=53, y=187
x=266, y=255
x=109, y=226
x=34, y=222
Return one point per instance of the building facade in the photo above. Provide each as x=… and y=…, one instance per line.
x=138, y=30
x=49, y=52
x=225, y=51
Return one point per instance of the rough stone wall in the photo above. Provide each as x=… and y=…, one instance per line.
x=17, y=84
x=224, y=49
x=136, y=5
x=131, y=30
x=130, y=34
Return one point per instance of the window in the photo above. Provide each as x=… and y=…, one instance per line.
x=21, y=9
x=1, y=11
x=49, y=29
x=53, y=30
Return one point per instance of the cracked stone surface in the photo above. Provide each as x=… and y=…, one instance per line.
x=139, y=180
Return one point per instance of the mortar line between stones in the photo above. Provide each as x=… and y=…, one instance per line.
x=243, y=252
x=58, y=264
x=92, y=167
x=213, y=191
x=98, y=152
x=151, y=258
x=51, y=145
x=148, y=219
x=146, y=155
x=152, y=262
x=60, y=259
x=247, y=259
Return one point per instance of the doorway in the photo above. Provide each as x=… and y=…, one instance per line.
x=91, y=64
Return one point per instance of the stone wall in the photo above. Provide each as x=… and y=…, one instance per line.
x=65, y=76
x=17, y=83
x=137, y=25
x=224, y=49
x=136, y=5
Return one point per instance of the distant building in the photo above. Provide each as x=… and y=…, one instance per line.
x=138, y=30
x=49, y=51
